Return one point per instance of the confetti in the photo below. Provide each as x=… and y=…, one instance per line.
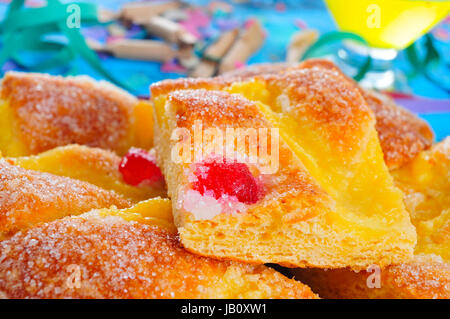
x=239, y=64
x=172, y=67
x=9, y=66
x=301, y=24
x=441, y=34
x=227, y=24
x=280, y=7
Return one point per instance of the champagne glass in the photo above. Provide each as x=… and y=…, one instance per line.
x=388, y=26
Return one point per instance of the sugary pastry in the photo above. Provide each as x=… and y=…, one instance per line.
x=402, y=134
x=426, y=184
x=425, y=181
x=328, y=201
x=39, y=112
x=426, y=277
x=96, y=166
x=29, y=197
x=126, y=254
x=253, y=70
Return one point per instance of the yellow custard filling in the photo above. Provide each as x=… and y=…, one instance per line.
x=95, y=166
x=363, y=190
x=10, y=142
x=155, y=211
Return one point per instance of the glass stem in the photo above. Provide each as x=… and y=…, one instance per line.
x=352, y=56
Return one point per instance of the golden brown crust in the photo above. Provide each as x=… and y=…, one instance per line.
x=425, y=182
x=51, y=111
x=29, y=197
x=257, y=69
x=118, y=259
x=167, y=86
x=327, y=102
x=418, y=279
x=402, y=134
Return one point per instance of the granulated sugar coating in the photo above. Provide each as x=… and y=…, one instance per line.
x=402, y=134
x=425, y=277
x=93, y=257
x=54, y=111
x=28, y=197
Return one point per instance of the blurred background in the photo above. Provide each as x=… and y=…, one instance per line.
x=397, y=46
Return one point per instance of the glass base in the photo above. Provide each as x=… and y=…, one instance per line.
x=381, y=76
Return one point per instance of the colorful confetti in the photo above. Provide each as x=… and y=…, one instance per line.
x=172, y=67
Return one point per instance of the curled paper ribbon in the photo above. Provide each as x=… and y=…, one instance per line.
x=28, y=29
x=420, y=66
x=423, y=66
x=333, y=37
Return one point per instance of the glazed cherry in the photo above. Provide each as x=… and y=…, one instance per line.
x=227, y=178
x=139, y=166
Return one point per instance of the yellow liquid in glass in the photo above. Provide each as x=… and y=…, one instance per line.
x=388, y=23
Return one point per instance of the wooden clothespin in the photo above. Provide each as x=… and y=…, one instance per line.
x=300, y=42
x=169, y=31
x=141, y=12
x=148, y=50
x=214, y=53
x=106, y=15
x=249, y=41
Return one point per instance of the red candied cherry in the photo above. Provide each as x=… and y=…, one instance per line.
x=227, y=178
x=139, y=166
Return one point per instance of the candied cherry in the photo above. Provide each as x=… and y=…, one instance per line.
x=139, y=166
x=227, y=178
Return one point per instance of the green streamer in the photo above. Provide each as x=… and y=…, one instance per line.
x=27, y=29
x=334, y=37
x=423, y=66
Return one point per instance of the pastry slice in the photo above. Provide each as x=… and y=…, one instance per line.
x=131, y=253
x=29, y=197
x=425, y=277
x=402, y=134
x=426, y=184
x=425, y=181
x=39, y=112
x=328, y=202
x=93, y=165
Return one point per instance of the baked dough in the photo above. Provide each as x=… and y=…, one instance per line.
x=332, y=203
x=426, y=184
x=39, y=112
x=126, y=254
x=93, y=165
x=402, y=134
x=29, y=197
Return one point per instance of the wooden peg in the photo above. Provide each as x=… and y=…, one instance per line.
x=249, y=41
x=208, y=66
x=300, y=42
x=141, y=12
x=148, y=50
x=169, y=31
